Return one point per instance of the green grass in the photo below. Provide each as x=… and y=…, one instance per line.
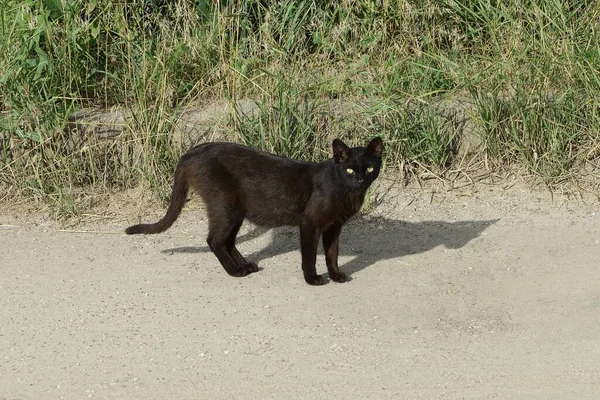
x=531, y=67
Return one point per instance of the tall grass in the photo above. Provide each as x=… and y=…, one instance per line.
x=531, y=67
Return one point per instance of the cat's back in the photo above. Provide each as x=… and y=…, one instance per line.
x=237, y=155
x=249, y=169
x=270, y=190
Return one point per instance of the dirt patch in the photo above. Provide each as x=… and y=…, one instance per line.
x=493, y=294
x=213, y=122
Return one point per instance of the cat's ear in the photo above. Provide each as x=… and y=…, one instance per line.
x=375, y=147
x=340, y=151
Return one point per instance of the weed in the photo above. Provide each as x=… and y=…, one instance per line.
x=531, y=68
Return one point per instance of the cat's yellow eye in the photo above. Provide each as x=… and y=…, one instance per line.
x=350, y=171
x=370, y=169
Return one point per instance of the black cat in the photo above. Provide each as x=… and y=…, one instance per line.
x=237, y=182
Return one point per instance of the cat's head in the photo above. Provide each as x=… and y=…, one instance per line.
x=358, y=166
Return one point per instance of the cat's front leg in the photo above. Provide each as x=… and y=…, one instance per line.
x=309, y=240
x=331, y=239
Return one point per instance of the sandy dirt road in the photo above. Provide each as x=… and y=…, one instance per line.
x=493, y=295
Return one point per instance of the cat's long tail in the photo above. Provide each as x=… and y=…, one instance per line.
x=178, y=197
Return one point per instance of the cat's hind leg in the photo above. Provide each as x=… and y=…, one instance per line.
x=223, y=228
x=225, y=219
x=233, y=251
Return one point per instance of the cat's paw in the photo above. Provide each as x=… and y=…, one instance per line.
x=338, y=277
x=238, y=273
x=250, y=267
x=316, y=280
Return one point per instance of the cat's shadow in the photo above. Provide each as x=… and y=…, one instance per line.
x=367, y=241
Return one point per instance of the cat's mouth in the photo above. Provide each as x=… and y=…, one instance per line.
x=361, y=186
